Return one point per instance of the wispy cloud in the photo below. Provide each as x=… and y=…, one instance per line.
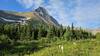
x=26, y=3
x=62, y=10
x=87, y=13
x=30, y=3
x=55, y=7
x=81, y=12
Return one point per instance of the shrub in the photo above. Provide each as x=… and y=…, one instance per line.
x=4, y=41
x=98, y=36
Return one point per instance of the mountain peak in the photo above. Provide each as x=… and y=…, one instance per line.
x=44, y=14
x=41, y=8
x=42, y=11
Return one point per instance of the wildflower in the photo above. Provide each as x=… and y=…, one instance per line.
x=61, y=47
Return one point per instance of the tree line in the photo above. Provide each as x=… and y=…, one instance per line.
x=28, y=32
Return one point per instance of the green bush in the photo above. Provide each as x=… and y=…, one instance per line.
x=4, y=39
x=5, y=42
x=98, y=36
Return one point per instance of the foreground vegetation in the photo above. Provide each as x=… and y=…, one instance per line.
x=41, y=40
x=73, y=48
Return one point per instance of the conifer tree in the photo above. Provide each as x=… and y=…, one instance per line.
x=72, y=32
x=50, y=32
x=40, y=31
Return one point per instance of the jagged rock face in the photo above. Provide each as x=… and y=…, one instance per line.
x=43, y=13
x=40, y=14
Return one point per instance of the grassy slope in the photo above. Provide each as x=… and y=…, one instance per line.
x=75, y=48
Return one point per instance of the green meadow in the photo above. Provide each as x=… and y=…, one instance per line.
x=71, y=48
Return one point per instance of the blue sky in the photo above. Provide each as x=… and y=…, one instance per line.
x=84, y=13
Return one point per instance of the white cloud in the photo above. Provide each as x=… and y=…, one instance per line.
x=82, y=12
x=26, y=3
x=60, y=10
x=55, y=7
x=30, y=3
x=87, y=12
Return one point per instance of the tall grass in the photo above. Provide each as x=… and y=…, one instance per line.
x=71, y=48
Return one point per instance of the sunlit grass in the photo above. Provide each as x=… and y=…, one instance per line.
x=71, y=48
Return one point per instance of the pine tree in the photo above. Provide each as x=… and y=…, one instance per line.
x=50, y=32
x=32, y=35
x=40, y=32
x=61, y=31
x=67, y=34
x=72, y=32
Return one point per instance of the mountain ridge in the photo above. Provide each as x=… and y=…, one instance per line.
x=39, y=14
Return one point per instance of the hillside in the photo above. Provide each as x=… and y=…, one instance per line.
x=39, y=15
